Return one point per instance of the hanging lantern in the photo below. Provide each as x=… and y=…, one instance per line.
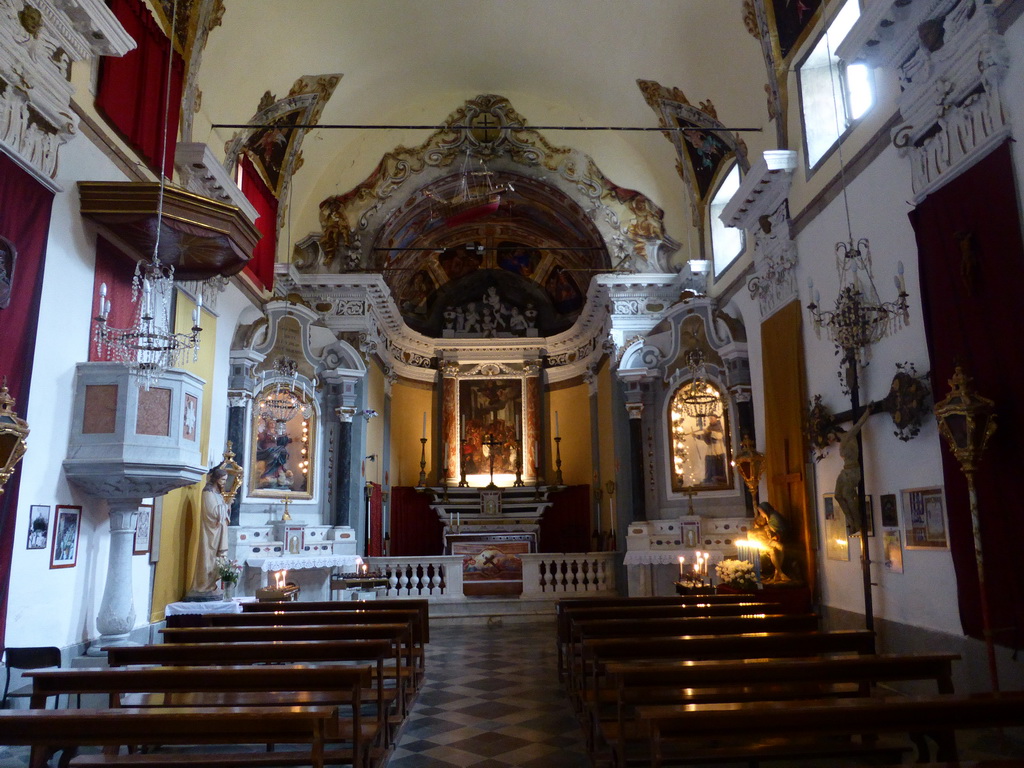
x=13, y=431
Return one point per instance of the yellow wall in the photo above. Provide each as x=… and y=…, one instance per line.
x=180, y=508
x=573, y=407
x=606, y=440
x=375, y=427
x=409, y=402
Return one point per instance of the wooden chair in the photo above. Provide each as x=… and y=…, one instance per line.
x=35, y=657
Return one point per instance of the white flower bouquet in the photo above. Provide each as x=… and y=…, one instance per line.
x=738, y=574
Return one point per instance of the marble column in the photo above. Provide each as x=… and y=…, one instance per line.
x=343, y=449
x=638, y=497
x=238, y=435
x=116, y=617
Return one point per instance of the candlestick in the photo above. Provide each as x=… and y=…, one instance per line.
x=519, y=464
x=462, y=463
x=558, y=458
x=423, y=462
x=424, y=424
x=680, y=567
x=557, y=433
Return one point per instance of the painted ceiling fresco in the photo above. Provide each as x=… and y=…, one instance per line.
x=519, y=263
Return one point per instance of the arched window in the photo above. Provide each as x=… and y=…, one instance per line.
x=699, y=441
x=726, y=242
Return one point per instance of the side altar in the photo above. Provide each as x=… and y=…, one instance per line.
x=489, y=528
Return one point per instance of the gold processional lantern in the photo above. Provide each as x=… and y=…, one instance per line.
x=13, y=431
x=235, y=473
x=750, y=464
x=967, y=421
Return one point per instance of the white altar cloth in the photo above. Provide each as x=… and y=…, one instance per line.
x=208, y=606
x=300, y=562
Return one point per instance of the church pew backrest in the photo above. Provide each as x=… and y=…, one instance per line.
x=735, y=726
x=47, y=729
x=422, y=607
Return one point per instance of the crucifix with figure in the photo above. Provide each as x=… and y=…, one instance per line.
x=491, y=444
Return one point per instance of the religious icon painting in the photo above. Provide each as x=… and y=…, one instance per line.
x=837, y=545
x=143, y=530
x=283, y=440
x=924, y=519
x=66, y=528
x=890, y=511
x=38, y=526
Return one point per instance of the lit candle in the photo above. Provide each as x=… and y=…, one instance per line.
x=680, y=567
x=424, y=424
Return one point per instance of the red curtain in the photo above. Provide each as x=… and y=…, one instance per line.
x=261, y=265
x=115, y=270
x=565, y=526
x=132, y=89
x=970, y=251
x=25, y=221
x=416, y=530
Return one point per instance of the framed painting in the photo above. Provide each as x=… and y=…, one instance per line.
x=890, y=511
x=490, y=424
x=699, y=445
x=38, y=526
x=924, y=519
x=837, y=545
x=283, y=444
x=893, y=551
x=143, y=541
x=66, y=528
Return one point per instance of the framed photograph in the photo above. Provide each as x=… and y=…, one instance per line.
x=38, y=526
x=890, y=511
x=837, y=545
x=893, y=551
x=143, y=530
x=870, y=509
x=924, y=519
x=66, y=527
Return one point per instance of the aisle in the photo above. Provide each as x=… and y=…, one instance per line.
x=491, y=700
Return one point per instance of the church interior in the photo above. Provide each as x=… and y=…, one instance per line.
x=496, y=304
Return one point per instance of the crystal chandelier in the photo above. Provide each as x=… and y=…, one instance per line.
x=860, y=318
x=699, y=397
x=150, y=346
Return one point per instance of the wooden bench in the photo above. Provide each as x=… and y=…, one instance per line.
x=337, y=686
x=634, y=684
x=814, y=729
x=375, y=652
x=49, y=730
x=422, y=608
x=567, y=606
x=399, y=636
x=585, y=631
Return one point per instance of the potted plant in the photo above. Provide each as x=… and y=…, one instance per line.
x=228, y=572
x=736, y=576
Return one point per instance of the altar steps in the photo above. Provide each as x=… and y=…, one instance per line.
x=475, y=610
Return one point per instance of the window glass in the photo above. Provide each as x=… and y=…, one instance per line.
x=833, y=94
x=726, y=242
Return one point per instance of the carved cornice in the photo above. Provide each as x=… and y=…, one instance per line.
x=39, y=41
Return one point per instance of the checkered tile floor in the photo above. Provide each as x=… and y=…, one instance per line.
x=491, y=700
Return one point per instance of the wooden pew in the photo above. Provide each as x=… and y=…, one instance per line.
x=598, y=653
x=48, y=730
x=336, y=686
x=809, y=729
x=422, y=607
x=566, y=606
x=691, y=682
x=583, y=631
x=399, y=635
x=374, y=652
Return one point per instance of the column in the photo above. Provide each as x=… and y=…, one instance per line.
x=238, y=434
x=116, y=617
x=638, y=462
x=343, y=449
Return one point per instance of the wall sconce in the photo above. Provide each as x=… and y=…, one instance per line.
x=13, y=431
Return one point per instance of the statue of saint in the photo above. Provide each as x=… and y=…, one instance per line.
x=770, y=528
x=849, y=476
x=213, y=535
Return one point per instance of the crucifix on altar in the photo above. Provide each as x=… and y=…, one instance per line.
x=491, y=444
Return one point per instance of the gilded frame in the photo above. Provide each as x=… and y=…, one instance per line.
x=277, y=450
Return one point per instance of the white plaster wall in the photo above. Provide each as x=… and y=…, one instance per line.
x=878, y=210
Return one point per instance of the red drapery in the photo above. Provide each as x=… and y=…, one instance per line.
x=565, y=526
x=261, y=265
x=416, y=530
x=115, y=270
x=25, y=221
x=970, y=250
x=132, y=89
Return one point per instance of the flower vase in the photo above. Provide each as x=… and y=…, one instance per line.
x=229, y=590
